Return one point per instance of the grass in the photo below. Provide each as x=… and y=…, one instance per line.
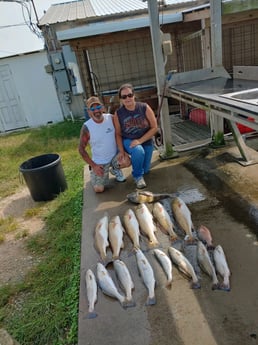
x=43, y=309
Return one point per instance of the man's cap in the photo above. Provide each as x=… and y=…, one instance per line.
x=93, y=100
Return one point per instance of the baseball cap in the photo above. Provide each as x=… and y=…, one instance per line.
x=93, y=100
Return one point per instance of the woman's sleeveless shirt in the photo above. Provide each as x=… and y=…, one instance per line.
x=134, y=123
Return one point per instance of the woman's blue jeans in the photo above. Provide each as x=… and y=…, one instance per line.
x=140, y=157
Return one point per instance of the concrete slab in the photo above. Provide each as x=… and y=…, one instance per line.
x=115, y=325
x=181, y=315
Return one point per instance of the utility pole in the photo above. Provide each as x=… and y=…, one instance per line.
x=160, y=79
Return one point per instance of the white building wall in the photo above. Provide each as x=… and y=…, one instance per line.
x=35, y=88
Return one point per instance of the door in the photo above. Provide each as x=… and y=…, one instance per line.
x=11, y=112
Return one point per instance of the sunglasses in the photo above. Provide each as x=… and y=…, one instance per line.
x=98, y=107
x=130, y=95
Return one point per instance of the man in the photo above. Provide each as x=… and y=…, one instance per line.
x=99, y=132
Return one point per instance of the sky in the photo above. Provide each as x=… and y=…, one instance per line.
x=15, y=36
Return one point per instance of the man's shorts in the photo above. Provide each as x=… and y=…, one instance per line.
x=115, y=164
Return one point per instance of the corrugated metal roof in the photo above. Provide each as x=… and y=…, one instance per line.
x=90, y=9
x=103, y=27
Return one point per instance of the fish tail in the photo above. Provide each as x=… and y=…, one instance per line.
x=151, y=300
x=224, y=287
x=115, y=257
x=169, y=285
x=211, y=247
x=215, y=286
x=173, y=238
x=195, y=285
x=91, y=315
x=106, y=261
x=129, y=303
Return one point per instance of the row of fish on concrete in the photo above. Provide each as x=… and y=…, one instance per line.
x=195, y=250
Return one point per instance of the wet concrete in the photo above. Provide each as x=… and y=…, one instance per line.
x=221, y=194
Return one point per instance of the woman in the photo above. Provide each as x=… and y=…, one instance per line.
x=135, y=125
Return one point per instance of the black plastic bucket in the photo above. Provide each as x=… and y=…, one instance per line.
x=44, y=176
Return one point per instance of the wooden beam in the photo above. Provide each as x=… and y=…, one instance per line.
x=196, y=15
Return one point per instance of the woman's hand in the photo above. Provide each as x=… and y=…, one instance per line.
x=134, y=143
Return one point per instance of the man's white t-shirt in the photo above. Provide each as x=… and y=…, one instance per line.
x=102, y=139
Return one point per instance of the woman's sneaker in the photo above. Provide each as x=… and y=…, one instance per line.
x=140, y=183
x=118, y=174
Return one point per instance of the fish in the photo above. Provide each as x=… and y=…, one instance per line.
x=139, y=197
x=184, y=266
x=132, y=227
x=126, y=281
x=166, y=264
x=146, y=223
x=107, y=284
x=147, y=275
x=115, y=235
x=91, y=288
x=204, y=234
x=101, y=237
x=206, y=264
x=183, y=217
x=222, y=267
x=163, y=218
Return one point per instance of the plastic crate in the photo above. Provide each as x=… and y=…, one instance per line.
x=198, y=116
x=245, y=129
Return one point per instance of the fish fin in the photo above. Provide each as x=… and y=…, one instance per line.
x=195, y=285
x=151, y=301
x=91, y=315
x=129, y=303
x=224, y=287
x=169, y=285
x=173, y=238
x=106, y=261
x=215, y=286
x=115, y=257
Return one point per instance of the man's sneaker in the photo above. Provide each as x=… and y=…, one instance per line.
x=118, y=174
x=140, y=183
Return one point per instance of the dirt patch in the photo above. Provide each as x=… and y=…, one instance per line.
x=15, y=261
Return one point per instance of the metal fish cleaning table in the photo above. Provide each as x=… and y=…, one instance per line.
x=213, y=90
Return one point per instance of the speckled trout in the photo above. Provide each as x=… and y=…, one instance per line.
x=166, y=264
x=126, y=281
x=91, y=288
x=107, y=285
x=147, y=275
x=206, y=264
x=184, y=266
x=222, y=267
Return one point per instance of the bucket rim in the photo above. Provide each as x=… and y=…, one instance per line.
x=58, y=158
